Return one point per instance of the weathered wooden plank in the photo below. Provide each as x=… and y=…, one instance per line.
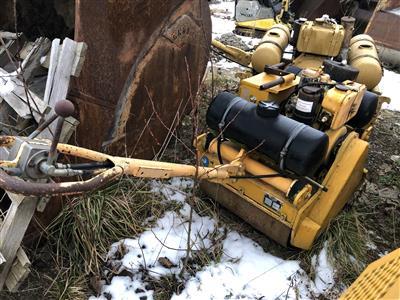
x=8, y=35
x=69, y=59
x=14, y=93
x=13, y=230
x=55, y=46
x=32, y=61
x=63, y=72
x=22, y=258
x=80, y=55
x=18, y=272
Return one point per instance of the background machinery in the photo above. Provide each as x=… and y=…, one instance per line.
x=253, y=18
x=319, y=44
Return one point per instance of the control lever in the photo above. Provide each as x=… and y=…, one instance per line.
x=63, y=110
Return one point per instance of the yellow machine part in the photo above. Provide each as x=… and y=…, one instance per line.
x=236, y=54
x=363, y=55
x=249, y=88
x=343, y=103
x=380, y=280
x=271, y=47
x=299, y=222
x=320, y=38
x=309, y=61
x=341, y=180
x=261, y=24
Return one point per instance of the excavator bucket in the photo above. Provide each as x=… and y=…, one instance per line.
x=143, y=66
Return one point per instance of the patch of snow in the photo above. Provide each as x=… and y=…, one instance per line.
x=222, y=18
x=125, y=288
x=324, y=272
x=168, y=238
x=250, y=41
x=370, y=245
x=226, y=64
x=245, y=271
x=389, y=86
x=174, y=190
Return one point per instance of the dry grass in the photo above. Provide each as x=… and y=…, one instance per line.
x=66, y=286
x=346, y=239
x=87, y=226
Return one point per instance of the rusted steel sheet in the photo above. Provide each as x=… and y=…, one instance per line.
x=7, y=14
x=384, y=24
x=145, y=61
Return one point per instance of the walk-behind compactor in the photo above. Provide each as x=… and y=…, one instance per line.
x=299, y=129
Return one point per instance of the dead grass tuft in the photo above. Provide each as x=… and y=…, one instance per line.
x=87, y=226
x=346, y=239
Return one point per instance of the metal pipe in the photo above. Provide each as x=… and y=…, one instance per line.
x=43, y=126
x=56, y=138
x=254, y=167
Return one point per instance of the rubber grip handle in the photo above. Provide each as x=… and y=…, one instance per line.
x=277, y=81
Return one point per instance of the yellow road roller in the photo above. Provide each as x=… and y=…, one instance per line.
x=301, y=142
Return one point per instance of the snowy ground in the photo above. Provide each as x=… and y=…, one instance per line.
x=244, y=269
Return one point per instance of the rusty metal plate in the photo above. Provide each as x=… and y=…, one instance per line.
x=384, y=23
x=144, y=64
x=141, y=54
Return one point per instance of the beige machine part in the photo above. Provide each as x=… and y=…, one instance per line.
x=271, y=47
x=364, y=56
x=312, y=61
x=343, y=103
x=236, y=54
x=320, y=38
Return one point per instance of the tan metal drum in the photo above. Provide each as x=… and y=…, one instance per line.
x=271, y=47
x=364, y=56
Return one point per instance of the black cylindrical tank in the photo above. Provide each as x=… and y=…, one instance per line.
x=239, y=120
x=307, y=104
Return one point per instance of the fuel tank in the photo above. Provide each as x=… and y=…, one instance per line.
x=243, y=122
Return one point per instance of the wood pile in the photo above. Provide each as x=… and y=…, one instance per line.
x=33, y=77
